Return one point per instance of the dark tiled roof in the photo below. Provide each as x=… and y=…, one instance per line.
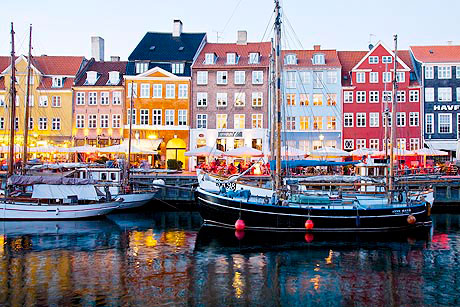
x=103, y=69
x=167, y=47
x=304, y=58
x=436, y=54
x=349, y=59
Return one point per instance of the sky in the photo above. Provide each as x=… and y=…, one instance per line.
x=65, y=27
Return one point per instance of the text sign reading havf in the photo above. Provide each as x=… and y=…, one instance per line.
x=230, y=134
x=448, y=107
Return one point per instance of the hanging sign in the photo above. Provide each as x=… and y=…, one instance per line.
x=230, y=134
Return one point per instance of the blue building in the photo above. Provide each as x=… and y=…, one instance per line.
x=438, y=70
x=312, y=99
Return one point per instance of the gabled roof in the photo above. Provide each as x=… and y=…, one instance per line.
x=436, y=54
x=156, y=46
x=380, y=43
x=221, y=50
x=46, y=83
x=304, y=58
x=58, y=65
x=4, y=62
x=349, y=59
x=103, y=69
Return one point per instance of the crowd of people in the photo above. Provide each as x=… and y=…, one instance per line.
x=222, y=168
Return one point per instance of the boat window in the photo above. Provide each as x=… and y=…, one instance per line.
x=83, y=175
x=113, y=176
x=104, y=176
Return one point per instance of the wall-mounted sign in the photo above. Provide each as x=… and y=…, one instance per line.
x=446, y=107
x=230, y=134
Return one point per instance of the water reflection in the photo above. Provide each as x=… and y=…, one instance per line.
x=165, y=258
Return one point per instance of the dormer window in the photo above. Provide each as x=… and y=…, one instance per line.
x=141, y=67
x=373, y=60
x=318, y=59
x=231, y=58
x=58, y=81
x=387, y=59
x=210, y=58
x=177, y=68
x=254, y=58
x=290, y=59
x=114, y=77
x=91, y=77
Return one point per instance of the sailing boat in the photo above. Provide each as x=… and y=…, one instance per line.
x=50, y=199
x=283, y=210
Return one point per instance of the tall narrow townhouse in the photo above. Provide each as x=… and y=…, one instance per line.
x=367, y=89
x=230, y=85
x=312, y=88
x=438, y=69
x=50, y=100
x=157, y=81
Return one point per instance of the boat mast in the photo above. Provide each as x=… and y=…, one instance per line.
x=13, y=106
x=272, y=108
x=27, y=108
x=386, y=115
x=278, y=179
x=393, y=121
x=130, y=132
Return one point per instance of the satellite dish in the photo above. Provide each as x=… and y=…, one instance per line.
x=371, y=46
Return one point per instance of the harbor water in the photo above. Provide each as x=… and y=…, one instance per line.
x=148, y=258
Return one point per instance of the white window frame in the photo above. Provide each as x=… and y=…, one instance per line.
x=201, y=99
x=104, y=121
x=373, y=60
x=361, y=120
x=429, y=123
x=348, y=121
x=42, y=123
x=145, y=90
x=183, y=91
x=157, y=117
x=221, y=121
x=444, y=94
x=144, y=117
x=222, y=77
x=387, y=59
x=401, y=119
x=429, y=94
x=157, y=90
x=373, y=77
x=257, y=121
x=360, y=77
x=374, y=96
x=414, y=119
x=202, y=121
x=238, y=118
x=257, y=99
x=348, y=144
x=449, y=116
x=56, y=101
x=221, y=100
x=240, y=97
x=348, y=97
x=80, y=121
x=116, y=120
x=169, y=117
x=386, y=77
x=182, y=117
x=361, y=97
x=105, y=98
x=92, y=98
x=374, y=119
x=429, y=72
x=116, y=98
x=331, y=77
x=258, y=77
x=170, y=91
x=201, y=77
x=444, y=72
x=414, y=96
x=239, y=77
x=79, y=98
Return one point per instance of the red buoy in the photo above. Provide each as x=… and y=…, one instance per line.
x=309, y=237
x=239, y=225
x=411, y=219
x=309, y=224
x=239, y=234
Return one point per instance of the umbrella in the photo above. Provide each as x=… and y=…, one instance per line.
x=430, y=152
x=362, y=152
x=6, y=149
x=396, y=151
x=329, y=152
x=291, y=151
x=204, y=151
x=45, y=148
x=84, y=148
x=124, y=148
x=244, y=152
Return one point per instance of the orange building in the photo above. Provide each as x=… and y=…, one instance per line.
x=160, y=103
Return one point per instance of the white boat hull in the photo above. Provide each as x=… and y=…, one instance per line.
x=135, y=200
x=31, y=211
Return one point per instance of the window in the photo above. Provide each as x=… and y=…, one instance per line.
x=444, y=72
x=182, y=117
x=290, y=79
x=201, y=77
x=132, y=90
x=157, y=91
x=92, y=121
x=80, y=98
x=348, y=120
x=317, y=99
x=387, y=59
x=144, y=116
x=31, y=100
x=348, y=144
x=177, y=68
x=360, y=143
x=57, y=82
x=290, y=122
x=156, y=117
x=209, y=58
x=43, y=101
x=304, y=99
x=361, y=97
x=2, y=100
x=305, y=77
x=457, y=72
x=104, y=98
x=386, y=117
x=221, y=77
x=240, y=77
x=414, y=119
x=201, y=121
x=221, y=121
x=257, y=77
x=80, y=121
x=374, y=144
x=56, y=102
x=386, y=76
x=201, y=99
x=231, y=58
x=238, y=121
x=116, y=98
x=332, y=77
x=133, y=116
x=221, y=99
x=145, y=90
x=104, y=121
x=429, y=72
x=444, y=94
x=317, y=79
x=290, y=99
x=429, y=94
x=170, y=91
x=303, y=122
x=373, y=77
x=254, y=58
x=257, y=121
x=331, y=99
x=331, y=123
x=169, y=117
x=290, y=59
x=17, y=101
x=347, y=97
x=360, y=77
x=401, y=143
x=401, y=96
x=413, y=96
x=141, y=67
x=360, y=119
x=183, y=91
x=400, y=76
x=414, y=144
x=318, y=59
x=92, y=98
x=31, y=123
x=373, y=60
x=42, y=123
x=458, y=93
x=374, y=119
x=373, y=96
x=240, y=99
x=401, y=119
x=257, y=99
x=16, y=123
x=444, y=123
x=429, y=123
x=116, y=120
x=317, y=123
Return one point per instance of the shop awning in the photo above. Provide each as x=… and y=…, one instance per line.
x=450, y=145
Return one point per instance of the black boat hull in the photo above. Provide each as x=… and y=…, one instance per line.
x=224, y=212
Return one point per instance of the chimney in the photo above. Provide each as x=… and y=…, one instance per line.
x=114, y=58
x=449, y=43
x=242, y=38
x=316, y=47
x=97, y=48
x=177, y=28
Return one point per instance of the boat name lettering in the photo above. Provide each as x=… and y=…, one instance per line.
x=230, y=134
x=399, y=211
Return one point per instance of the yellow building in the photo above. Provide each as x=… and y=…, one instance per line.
x=50, y=100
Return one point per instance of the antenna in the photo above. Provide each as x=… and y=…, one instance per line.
x=217, y=35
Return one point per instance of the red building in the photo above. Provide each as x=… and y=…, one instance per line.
x=366, y=84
